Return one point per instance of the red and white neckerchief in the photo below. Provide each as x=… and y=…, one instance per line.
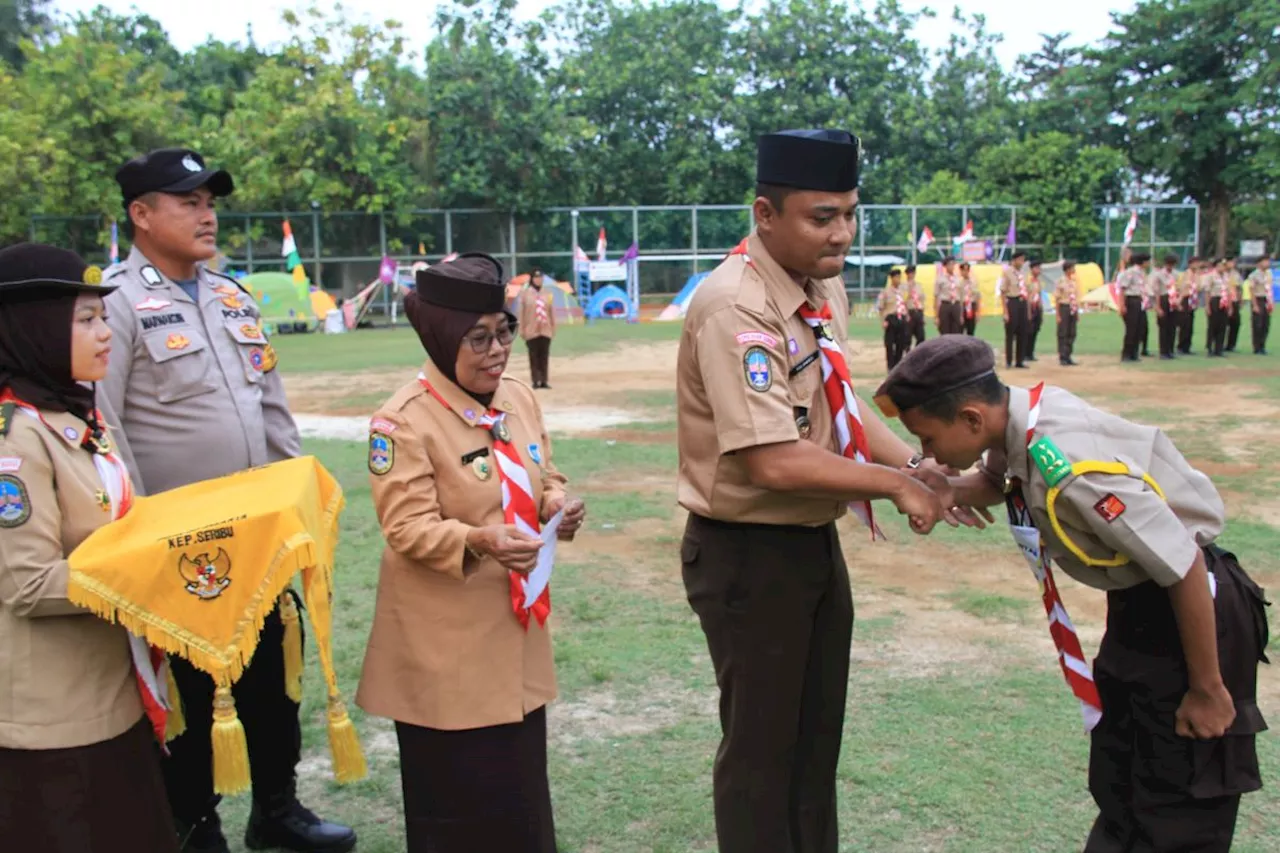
x=519, y=507
x=150, y=666
x=1022, y=285
x=968, y=297
x=843, y=404
x=539, y=309
x=1171, y=289
x=1070, y=653
x=916, y=295
x=900, y=305
x=1072, y=296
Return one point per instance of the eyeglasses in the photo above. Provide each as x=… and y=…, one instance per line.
x=481, y=341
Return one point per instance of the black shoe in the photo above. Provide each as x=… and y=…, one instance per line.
x=1020, y=367
x=204, y=836
x=294, y=827
x=1064, y=362
x=546, y=387
x=1164, y=356
x=1031, y=358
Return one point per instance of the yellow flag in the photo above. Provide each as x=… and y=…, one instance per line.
x=195, y=571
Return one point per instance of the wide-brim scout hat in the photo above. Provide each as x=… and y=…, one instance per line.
x=32, y=270
x=472, y=284
x=171, y=170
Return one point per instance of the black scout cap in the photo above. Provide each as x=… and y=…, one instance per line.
x=825, y=160
x=170, y=170
x=933, y=368
x=471, y=283
x=34, y=269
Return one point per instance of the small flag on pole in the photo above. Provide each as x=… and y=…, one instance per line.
x=966, y=235
x=632, y=252
x=602, y=246
x=579, y=256
x=1011, y=236
x=114, y=253
x=926, y=238
x=292, y=260
x=1131, y=227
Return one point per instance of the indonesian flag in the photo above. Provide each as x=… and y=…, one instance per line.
x=926, y=237
x=579, y=256
x=966, y=234
x=1131, y=227
x=601, y=246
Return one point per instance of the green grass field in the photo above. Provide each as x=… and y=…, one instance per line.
x=979, y=757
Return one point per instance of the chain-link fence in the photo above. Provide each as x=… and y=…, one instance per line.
x=342, y=251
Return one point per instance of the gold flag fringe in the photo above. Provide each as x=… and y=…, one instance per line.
x=292, y=647
x=230, y=751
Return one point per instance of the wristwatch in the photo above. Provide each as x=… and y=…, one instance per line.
x=915, y=461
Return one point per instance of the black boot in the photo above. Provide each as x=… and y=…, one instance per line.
x=203, y=836
x=287, y=825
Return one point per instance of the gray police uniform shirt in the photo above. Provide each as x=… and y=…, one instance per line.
x=1109, y=514
x=193, y=386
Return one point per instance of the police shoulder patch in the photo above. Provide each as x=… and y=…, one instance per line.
x=755, y=367
x=15, y=503
x=382, y=453
x=1049, y=458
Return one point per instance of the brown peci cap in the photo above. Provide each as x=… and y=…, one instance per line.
x=935, y=367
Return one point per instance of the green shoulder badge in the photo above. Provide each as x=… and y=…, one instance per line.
x=6, y=418
x=1049, y=458
x=15, y=504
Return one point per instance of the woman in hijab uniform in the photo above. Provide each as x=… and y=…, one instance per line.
x=79, y=764
x=462, y=478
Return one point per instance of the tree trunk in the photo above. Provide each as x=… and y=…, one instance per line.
x=1220, y=219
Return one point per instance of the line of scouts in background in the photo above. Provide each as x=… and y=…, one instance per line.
x=957, y=301
x=1214, y=284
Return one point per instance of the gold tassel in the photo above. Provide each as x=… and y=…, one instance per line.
x=176, y=723
x=292, y=647
x=344, y=745
x=230, y=752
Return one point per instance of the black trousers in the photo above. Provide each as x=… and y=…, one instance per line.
x=1067, y=325
x=477, y=789
x=897, y=337
x=776, y=610
x=1133, y=317
x=1169, y=324
x=1158, y=792
x=1218, y=324
x=915, y=327
x=1144, y=334
x=539, y=360
x=1260, y=320
x=1188, y=325
x=271, y=729
x=1233, y=326
x=1033, y=328
x=950, y=318
x=106, y=797
x=971, y=320
x=1015, y=330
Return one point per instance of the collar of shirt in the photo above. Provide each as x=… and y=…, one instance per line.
x=466, y=407
x=780, y=286
x=1015, y=433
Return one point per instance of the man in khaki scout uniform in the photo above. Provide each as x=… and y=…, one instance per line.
x=1172, y=696
x=972, y=295
x=1067, y=310
x=1261, y=304
x=947, y=304
x=764, y=478
x=1012, y=293
x=537, y=327
x=1035, y=302
x=1163, y=285
x=1132, y=284
x=1217, y=287
x=892, y=306
x=1235, y=294
x=1189, y=294
x=914, y=295
x=193, y=385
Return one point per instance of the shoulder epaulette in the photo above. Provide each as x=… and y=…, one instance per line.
x=231, y=279
x=6, y=418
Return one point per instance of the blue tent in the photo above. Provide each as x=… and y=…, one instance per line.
x=609, y=302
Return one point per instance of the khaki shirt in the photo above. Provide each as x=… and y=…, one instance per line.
x=66, y=676
x=1162, y=283
x=1259, y=282
x=972, y=293
x=445, y=649
x=1132, y=282
x=947, y=287
x=1215, y=284
x=1106, y=514
x=748, y=367
x=912, y=292
x=887, y=301
x=1011, y=284
x=194, y=386
x=1187, y=284
x=1064, y=290
x=530, y=325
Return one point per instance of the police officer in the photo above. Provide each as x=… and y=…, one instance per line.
x=1261, y=304
x=892, y=306
x=1117, y=507
x=1132, y=284
x=1013, y=293
x=193, y=384
x=947, y=305
x=1164, y=285
x=764, y=478
x=537, y=327
x=1035, y=301
x=915, y=308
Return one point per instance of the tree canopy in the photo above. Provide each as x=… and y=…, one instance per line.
x=617, y=102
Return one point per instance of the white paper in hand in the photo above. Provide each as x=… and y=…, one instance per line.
x=538, y=579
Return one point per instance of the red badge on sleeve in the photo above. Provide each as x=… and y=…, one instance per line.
x=1110, y=508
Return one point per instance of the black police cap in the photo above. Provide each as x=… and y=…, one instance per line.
x=34, y=269
x=171, y=170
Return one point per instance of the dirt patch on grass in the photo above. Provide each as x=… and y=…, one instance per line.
x=600, y=715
